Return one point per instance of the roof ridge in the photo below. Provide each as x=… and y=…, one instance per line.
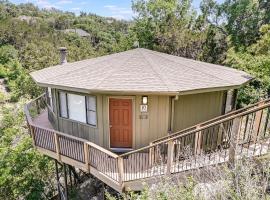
x=154, y=69
x=162, y=55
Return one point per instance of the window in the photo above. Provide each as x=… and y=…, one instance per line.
x=91, y=110
x=78, y=107
x=63, y=104
x=49, y=97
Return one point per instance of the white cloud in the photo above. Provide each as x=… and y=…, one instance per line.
x=76, y=9
x=45, y=4
x=63, y=2
x=84, y=3
x=119, y=12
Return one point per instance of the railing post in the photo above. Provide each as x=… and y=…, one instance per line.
x=57, y=146
x=151, y=155
x=198, y=141
x=233, y=141
x=32, y=132
x=86, y=156
x=257, y=122
x=38, y=106
x=120, y=163
x=170, y=156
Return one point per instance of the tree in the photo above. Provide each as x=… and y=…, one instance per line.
x=168, y=26
x=256, y=61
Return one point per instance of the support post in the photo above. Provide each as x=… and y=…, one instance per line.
x=70, y=176
x=257, y=122
x=65, y=178
x=170, y=156
x=57, y=146
x=151, y=155
x=38, y=106
x=120, y=169
x=57, y=177
x=86, y=156
x=233, y=141
x=198, y=141
x=33, y=135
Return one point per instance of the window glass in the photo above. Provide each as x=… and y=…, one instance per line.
x=50, y=96
x=76, y=107
x=63, y=104
x=91, y=110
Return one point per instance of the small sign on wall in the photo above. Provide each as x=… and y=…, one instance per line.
x=144, y=108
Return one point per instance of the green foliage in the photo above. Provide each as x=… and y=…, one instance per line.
x=7, y=54
x=24, y=174
x=168, y=26
x=256, y=61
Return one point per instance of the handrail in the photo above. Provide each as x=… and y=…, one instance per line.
x=201, y=128
x=211, y=120
x=30, y=121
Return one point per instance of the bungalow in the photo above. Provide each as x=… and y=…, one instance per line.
x=126, y=100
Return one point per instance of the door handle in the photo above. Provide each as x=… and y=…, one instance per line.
x=110, y=126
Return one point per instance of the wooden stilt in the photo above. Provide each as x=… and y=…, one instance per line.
x=70, y=176
x=57, y=178
x=65, y=178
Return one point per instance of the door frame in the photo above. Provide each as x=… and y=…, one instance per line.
x=133, y=122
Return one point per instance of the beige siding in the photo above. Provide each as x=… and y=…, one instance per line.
x=82, y=130
x=188, y=110
x=152, y=126
x=195, y=108
x=146, y=129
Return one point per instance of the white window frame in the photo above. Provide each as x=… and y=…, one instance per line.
x=87, y=121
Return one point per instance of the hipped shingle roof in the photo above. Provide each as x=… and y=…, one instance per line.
x=140, y=70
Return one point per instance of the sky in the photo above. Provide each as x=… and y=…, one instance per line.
x=119, y=9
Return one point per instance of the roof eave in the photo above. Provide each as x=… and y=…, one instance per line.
x=124, y=92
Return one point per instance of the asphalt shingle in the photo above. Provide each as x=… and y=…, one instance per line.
x=140, y=70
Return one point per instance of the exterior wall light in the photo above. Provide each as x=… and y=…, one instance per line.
x=144, y=100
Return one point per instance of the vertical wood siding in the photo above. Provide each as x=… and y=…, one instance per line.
x=152, y=127
x=188, y=110
x=195, y=108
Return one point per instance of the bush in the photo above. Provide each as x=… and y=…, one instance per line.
x=247, y=180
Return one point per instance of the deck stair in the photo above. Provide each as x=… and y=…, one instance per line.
x=241, y=133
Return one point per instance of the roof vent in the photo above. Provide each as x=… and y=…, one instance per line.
x=63, y=55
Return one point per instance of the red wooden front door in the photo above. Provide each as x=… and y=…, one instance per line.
x=120, y=117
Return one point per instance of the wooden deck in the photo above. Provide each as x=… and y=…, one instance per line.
x=43, y=120
x=243, y=133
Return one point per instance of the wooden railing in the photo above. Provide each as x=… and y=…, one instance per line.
x=240, y=133
x=66, y=148
x=231, y=113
